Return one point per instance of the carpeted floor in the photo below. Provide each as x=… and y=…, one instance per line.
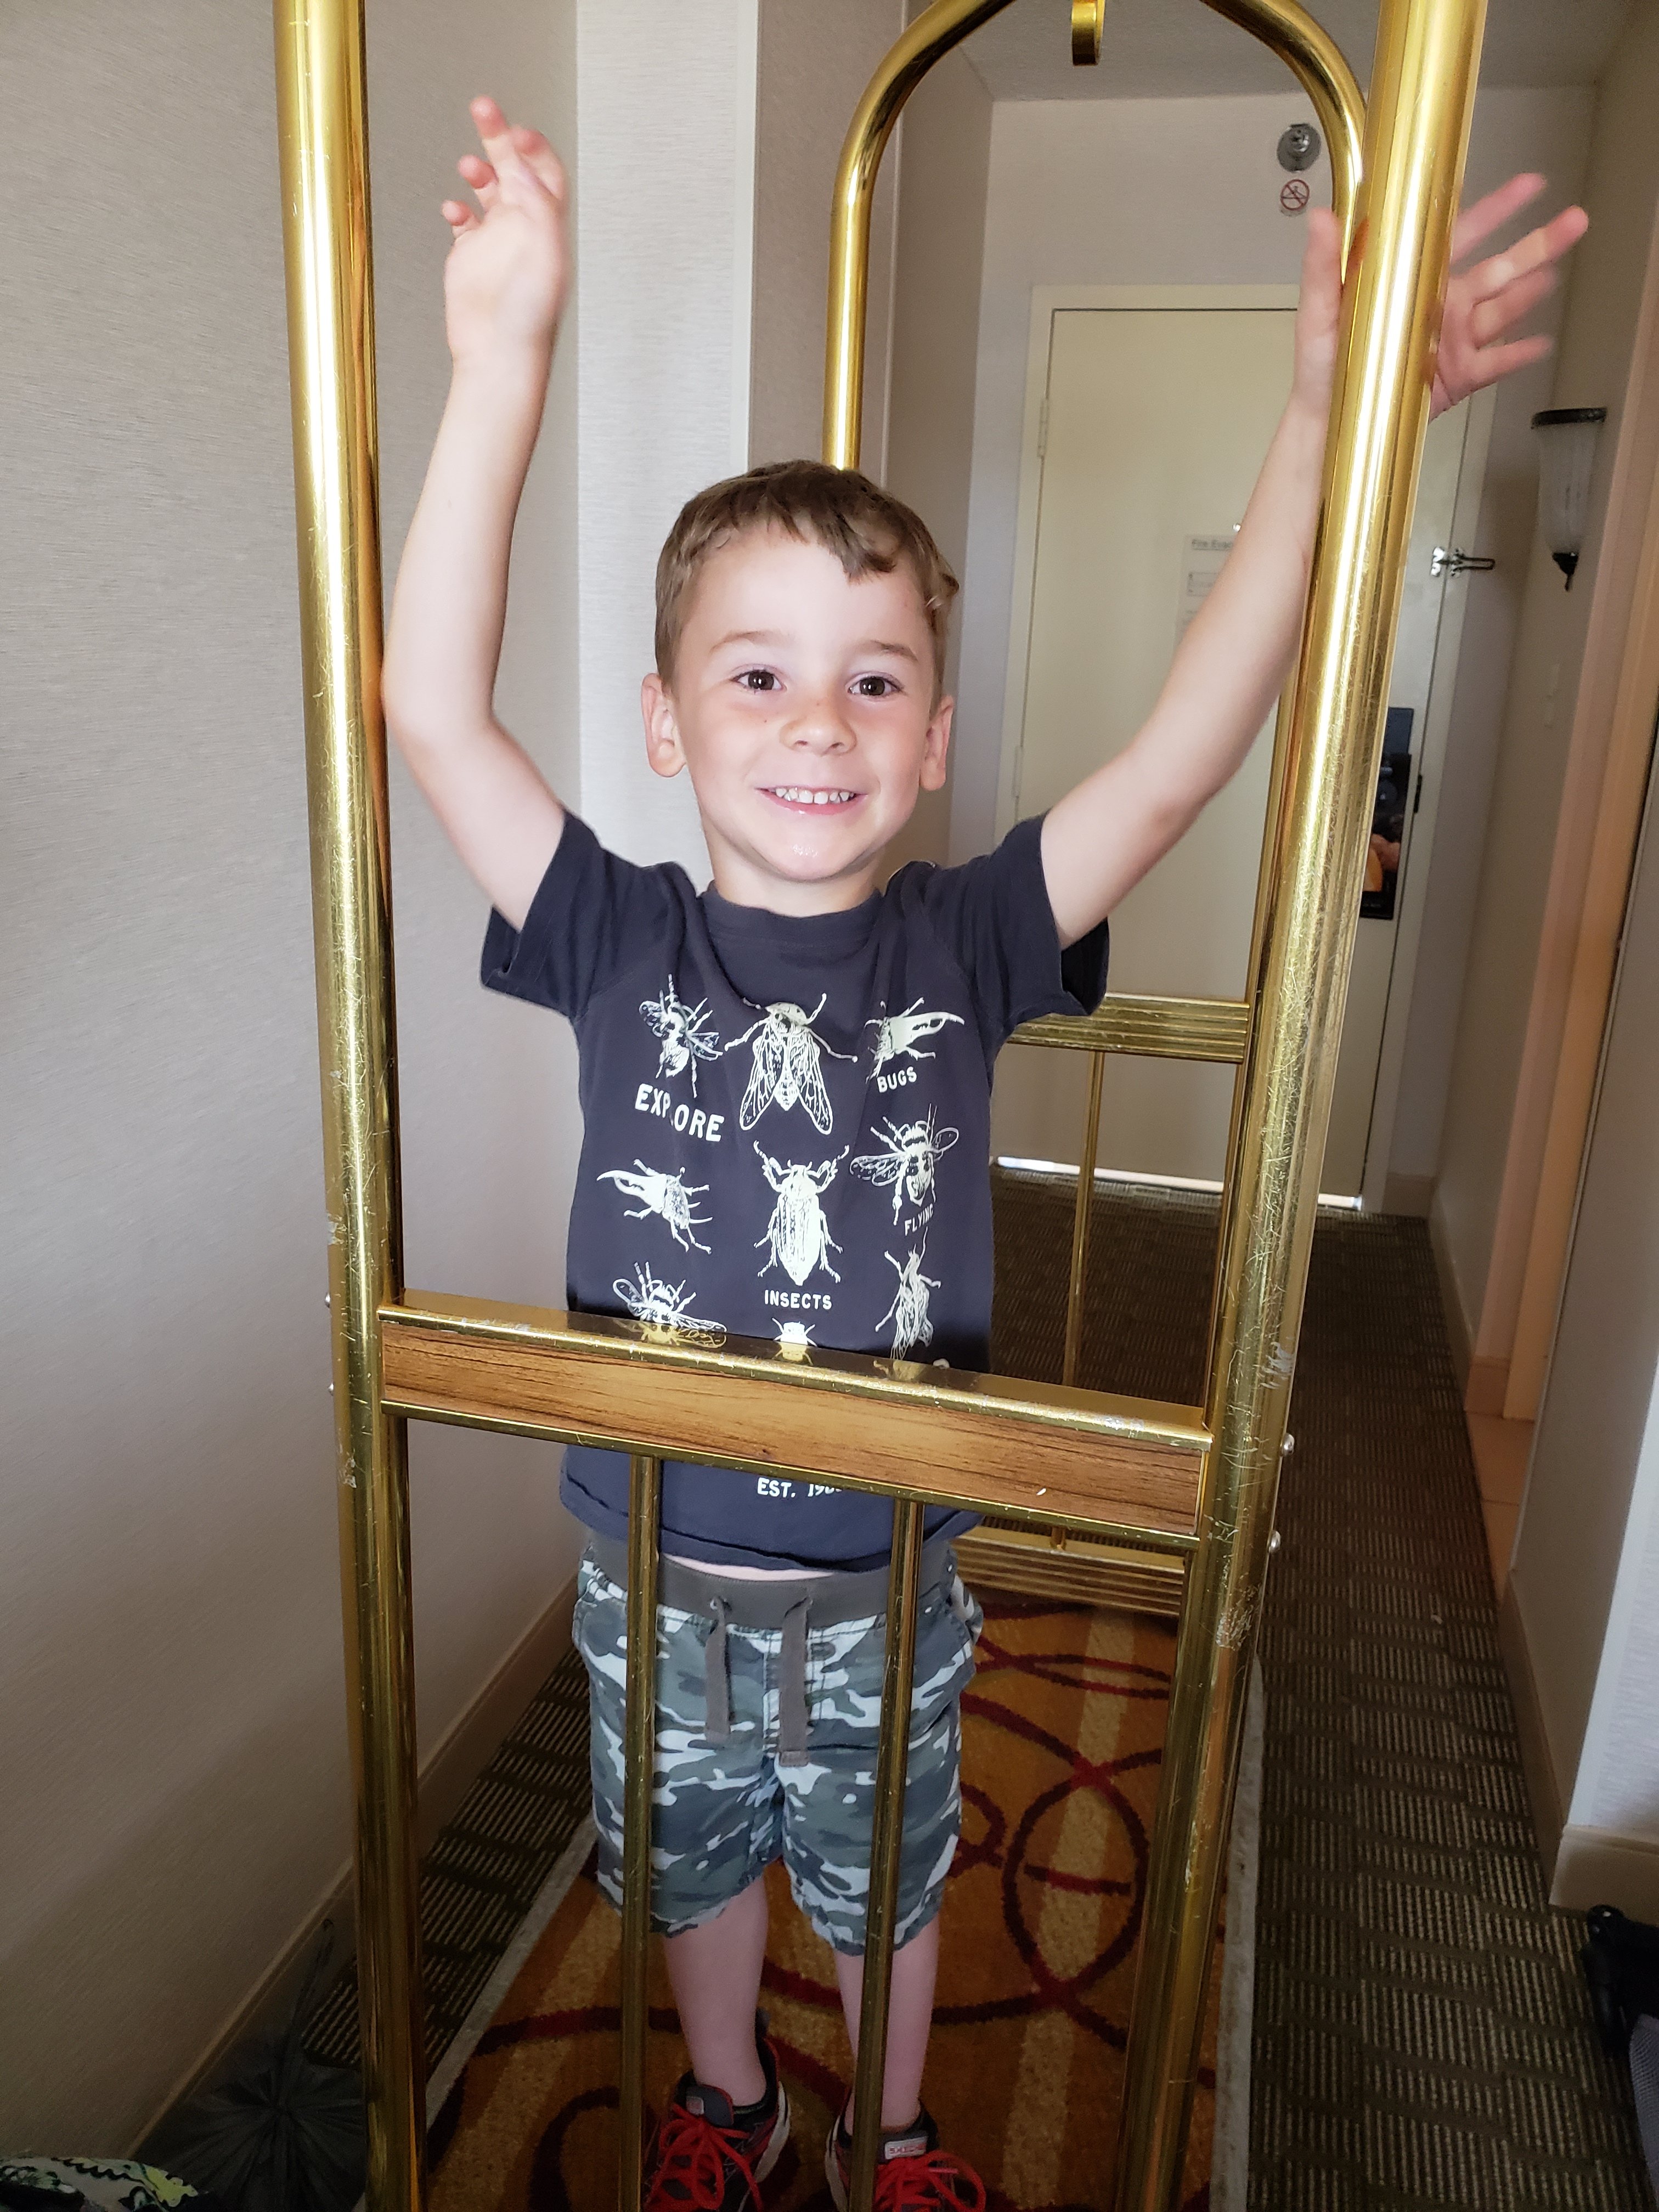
x=1061, y=1736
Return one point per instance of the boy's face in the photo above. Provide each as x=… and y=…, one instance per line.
x=802, y=704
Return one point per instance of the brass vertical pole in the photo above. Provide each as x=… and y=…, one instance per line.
x=1422, y=95
x=639, y=1759
x=1080, y=1213
x=886, y=1846
x=324, y=180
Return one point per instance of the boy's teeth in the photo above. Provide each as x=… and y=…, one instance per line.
x=798, y=797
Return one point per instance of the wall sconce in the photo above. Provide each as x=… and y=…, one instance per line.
x=1566, y=436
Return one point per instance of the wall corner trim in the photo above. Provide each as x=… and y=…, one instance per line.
x=1594, y=1867
x=1459, y=1334
x=1543, y=1788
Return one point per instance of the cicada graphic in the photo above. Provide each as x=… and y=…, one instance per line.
x=909, y=1151
x=796, y=1335
x=684, y=1031
x=664, y=1309
x=666, y=1194
x=908, y=1311
x=899, y=1034
x=798, y=1235
x=786, y=1072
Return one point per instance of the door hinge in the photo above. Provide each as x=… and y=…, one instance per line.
x=1448, y=560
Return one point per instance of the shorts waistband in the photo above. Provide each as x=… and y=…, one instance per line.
x=829, y=1599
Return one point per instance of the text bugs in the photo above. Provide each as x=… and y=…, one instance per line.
x=684, y=1032
x=909, y=1151
x=899, y=1034
x=786, y=1072
x=798, y=1235
x=908, y=1311
x=666, y=1194
x=665, y=1306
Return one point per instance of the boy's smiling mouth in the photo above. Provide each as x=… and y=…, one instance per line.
x=809, y=795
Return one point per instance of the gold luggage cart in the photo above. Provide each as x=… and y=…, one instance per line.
x=1191, y=1485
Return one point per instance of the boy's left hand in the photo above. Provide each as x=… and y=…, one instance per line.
x=1481, y=303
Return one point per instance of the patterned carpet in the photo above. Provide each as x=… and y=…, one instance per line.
x=1061, y=1736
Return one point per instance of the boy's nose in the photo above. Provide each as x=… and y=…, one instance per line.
x=820, y=727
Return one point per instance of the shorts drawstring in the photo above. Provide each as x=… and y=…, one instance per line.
x=791, y=1686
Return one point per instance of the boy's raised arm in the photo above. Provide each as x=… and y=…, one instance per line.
x=504, y=286
x=1105, y=835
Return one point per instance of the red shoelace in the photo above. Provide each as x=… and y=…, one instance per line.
x=922, y=2185
x=698, y=2158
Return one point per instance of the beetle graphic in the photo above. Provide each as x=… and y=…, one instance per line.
x=908, y=1311
x=663, y=1307
x=798, y=1234
x=909, y=1153
x=899, y=1034
x=682, y=1030
x=786, y=1072
x=669, y=1195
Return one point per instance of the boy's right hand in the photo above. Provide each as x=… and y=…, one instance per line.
x=509, y=266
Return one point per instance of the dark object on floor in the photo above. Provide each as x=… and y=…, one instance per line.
x=1621, y=1965
x=94, y=2184
x=1423, y=2038
x=281, y=2132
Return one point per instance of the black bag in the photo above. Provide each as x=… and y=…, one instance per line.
x=1621, y=1965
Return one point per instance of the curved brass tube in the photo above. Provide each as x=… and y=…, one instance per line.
x=1288, y=29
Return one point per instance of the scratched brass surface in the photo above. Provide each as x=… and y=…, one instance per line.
x=1083, y=1206
x=638, y=1764
x=1039, y=1451
x=325, y=187
x=1152, y=1028
x=1422, y=91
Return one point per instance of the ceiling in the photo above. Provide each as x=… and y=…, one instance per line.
x=1172, y=49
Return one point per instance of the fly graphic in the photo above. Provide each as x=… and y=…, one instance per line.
x=786, y=1072
x=684, y=1031
x=666, y=1194
x=664, y=1307
x=798, y=1234
x=899, y=1034
x=909, y=1153
x=908, y=1311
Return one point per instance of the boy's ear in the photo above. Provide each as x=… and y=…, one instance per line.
x=935, y=745
x=663, y=748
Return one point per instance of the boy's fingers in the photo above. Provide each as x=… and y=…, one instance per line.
x=1499, y=361
x=458, y=217
x=1539, y=249
x=1491, y=212
x=540, y=159
x=1491, y=318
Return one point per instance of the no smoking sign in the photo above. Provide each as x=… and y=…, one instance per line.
x=1293, y=195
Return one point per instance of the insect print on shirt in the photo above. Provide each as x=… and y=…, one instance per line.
x=670, y=1195
x=898, y=1037
x=665, y=1308
x=798, y=1234
x=786, y=1071
x=683, y=1032
x=908, y=1311
x=909, y=1153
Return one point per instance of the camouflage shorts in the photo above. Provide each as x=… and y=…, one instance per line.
x=724, y=1810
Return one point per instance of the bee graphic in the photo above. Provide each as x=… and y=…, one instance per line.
x=897, y=1035
x=684, y=1031
x=908, y=1311
x=663, y=1310
x=909, y=1153
x=798, y=1234
x=794, y=1339
x=666, y=1194
x=786, y=1072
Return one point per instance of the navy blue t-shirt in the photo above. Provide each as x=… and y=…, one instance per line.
x=787, y=1132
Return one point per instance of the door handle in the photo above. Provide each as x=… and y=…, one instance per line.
x=1449, y=561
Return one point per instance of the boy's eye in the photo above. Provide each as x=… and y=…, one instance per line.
x=875, y=687
x=757, y=679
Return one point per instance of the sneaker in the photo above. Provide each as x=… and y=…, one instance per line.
x=912, y=2174
x=710, y=2156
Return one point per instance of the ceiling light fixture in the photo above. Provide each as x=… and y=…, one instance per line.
x=1567, y=438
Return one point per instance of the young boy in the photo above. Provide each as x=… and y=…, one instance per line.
x=785, y=1086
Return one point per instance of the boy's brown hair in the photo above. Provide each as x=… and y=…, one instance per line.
x=868, y=530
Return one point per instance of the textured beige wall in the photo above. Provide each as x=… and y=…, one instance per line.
x=944, y=173
x=1621, y=189
x=172, y=1748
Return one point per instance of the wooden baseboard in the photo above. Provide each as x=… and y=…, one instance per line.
x=1594, y=1867
x=447, y=1772
x=1544, y=1794
x=1486, y=1386
x=1409, y=1194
